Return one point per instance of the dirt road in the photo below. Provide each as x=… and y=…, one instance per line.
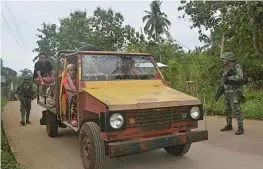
x=35, y=150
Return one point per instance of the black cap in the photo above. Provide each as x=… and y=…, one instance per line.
x=89, y=47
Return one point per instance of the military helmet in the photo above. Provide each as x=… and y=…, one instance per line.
x=228, y=56
x=27, y=78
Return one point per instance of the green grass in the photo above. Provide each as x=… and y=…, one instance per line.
x=8, y=160
x=251, y=109
x=3, y=102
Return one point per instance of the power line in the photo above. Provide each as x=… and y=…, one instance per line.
x=17, y=28
x=10, y=28
x=14, y=21
x=182, y=44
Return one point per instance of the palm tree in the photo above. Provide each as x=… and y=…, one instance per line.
x=157, y=22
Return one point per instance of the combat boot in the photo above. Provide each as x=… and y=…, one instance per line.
x=22, y=122
x=27, y=118
x=239, y=131
x=227, y=128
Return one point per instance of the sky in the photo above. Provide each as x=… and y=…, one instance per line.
x=16, y=50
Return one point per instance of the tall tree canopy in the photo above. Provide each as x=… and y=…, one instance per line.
x=104, y=29
x=157, y=22
x=9, y=74
x=232, y=24
x=47, y=40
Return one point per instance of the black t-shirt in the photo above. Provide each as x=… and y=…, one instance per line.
x=44, y=69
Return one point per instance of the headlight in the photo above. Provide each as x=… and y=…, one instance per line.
x=195, y=112
x=116, y=121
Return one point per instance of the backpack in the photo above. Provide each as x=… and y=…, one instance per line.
x=245, y=80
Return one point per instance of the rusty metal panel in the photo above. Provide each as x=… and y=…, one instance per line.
x=133, y=133
x=156, y=119
x=93, y=105
x=137, y=146
x=88, y=107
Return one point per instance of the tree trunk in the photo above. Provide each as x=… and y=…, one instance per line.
x=158, y=41
x=256, y=28
x=222, y=46
x=256, y=42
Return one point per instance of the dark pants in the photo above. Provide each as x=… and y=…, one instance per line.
x=25, y=107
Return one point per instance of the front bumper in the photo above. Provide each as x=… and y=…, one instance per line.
x=137, y=146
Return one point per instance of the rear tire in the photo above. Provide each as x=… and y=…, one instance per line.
x=51, y=124
x=92, y=149
x=179, y=150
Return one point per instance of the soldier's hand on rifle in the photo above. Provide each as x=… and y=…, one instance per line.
x=227, y=81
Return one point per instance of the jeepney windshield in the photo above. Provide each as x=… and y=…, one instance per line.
x=117, y=67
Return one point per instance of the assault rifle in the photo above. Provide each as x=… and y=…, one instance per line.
x=221, y=88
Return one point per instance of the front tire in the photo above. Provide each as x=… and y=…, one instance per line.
x=92, y=148
x=51, y=124
x=179, y=150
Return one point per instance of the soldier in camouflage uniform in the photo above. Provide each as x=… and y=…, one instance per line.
x=25, y=92
x=232, y=81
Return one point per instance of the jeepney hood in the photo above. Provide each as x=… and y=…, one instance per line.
x=123, y=95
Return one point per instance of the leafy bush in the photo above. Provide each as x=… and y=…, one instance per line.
x=253, y=68
x=206, y=71
x=8, y=160
x=3, y=102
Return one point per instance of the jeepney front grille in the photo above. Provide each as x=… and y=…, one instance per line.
x=156, y=119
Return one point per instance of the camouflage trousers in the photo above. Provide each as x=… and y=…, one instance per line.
x=232, y=103
x=25, y=108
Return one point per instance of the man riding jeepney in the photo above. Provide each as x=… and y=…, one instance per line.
x=43, y=72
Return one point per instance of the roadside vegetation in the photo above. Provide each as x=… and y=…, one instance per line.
x=8, y=160
x=234, y=26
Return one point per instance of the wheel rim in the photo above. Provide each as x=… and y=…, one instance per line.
x=87, y=150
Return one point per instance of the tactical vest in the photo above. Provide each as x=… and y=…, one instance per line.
x=26, y=89
x=233, y=88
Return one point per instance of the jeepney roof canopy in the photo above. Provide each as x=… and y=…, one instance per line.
x=107, y=53
x=145, y=65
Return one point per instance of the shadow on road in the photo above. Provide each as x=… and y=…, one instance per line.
x=154, y=158
x=158, y=158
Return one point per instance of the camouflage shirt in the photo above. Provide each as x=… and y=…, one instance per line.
x=235, y=73
x=25, y=90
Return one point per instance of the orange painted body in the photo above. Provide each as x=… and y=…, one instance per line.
x=137, y=99
x=154, y=115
